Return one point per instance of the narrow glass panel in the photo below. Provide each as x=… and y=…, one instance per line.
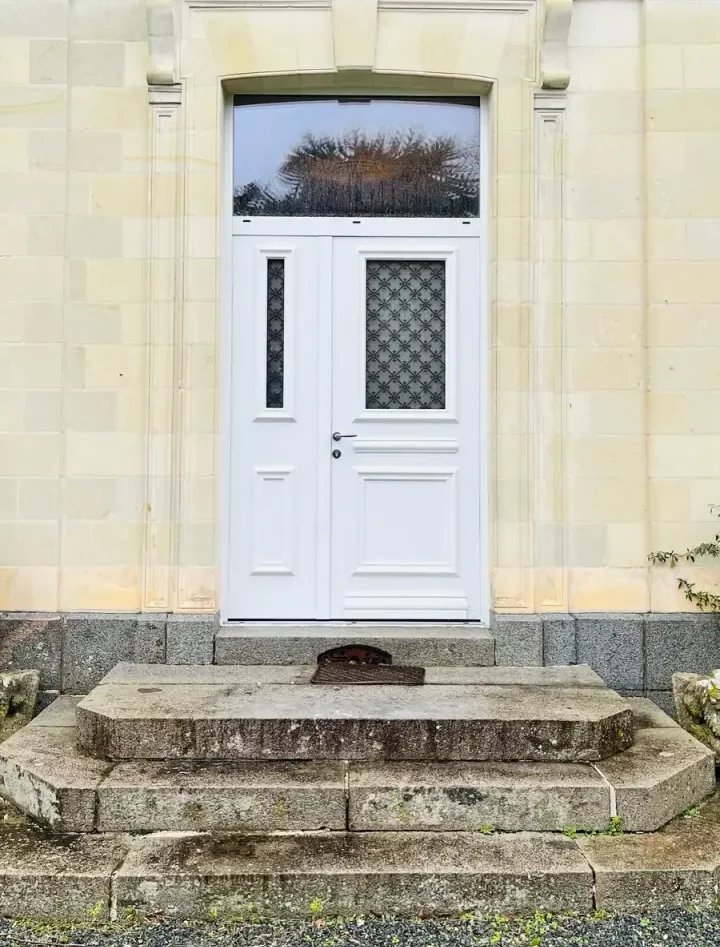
x=405, y=334
x=275, y=333
x=373, y=157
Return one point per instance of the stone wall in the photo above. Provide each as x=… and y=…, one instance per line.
x=602, y=268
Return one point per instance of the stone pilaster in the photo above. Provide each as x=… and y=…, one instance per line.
x=547, y=386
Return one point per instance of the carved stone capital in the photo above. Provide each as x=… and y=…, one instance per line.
x=554, y=62
x=165, y=94
x=162, y=66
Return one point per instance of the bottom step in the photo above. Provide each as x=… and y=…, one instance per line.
x=228, y=876
x=345, y=874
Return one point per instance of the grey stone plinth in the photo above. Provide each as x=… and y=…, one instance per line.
x=518, y=639
x=613, y=644
x=507, y=797
x=222, y=797
x=682, y=642
x=579, y=675
x=664, y=771
x=295, y=721
x=559, y=642
x=44, y=774
x=410, y=874
x=94, y=643
x=675, y=867
x=190, y=639
x=56, y=876
x=408, y=644
x=32, y=640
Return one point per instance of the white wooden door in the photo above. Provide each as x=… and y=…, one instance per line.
x=354, y=473
x=406, y=488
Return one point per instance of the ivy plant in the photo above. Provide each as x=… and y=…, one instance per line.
x=704, y=600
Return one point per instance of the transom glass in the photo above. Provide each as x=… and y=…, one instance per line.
x=356, y=157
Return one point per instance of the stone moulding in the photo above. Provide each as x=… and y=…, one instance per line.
x=162, y=65
x=554, y=63
x=460, y=6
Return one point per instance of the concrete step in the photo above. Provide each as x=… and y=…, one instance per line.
x=423, y=644
x=43, y=772
x=222, y=716
x=230, y=876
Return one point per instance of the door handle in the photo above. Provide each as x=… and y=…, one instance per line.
x=337, y=436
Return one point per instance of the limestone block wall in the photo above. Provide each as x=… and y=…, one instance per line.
x=602, y=280
x=73, y=375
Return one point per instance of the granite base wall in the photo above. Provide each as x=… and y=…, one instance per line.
x=635, y=653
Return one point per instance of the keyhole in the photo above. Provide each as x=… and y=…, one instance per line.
x=337, y=453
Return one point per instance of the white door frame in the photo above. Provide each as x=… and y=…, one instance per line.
x=347, y=226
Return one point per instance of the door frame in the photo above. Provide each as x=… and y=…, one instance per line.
x=428, y=228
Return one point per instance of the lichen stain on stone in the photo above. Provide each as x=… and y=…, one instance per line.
x=465, y=795
x=193, y=813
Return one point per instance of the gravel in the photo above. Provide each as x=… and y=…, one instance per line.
x=672, y=928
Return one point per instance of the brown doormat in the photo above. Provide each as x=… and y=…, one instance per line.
x=340, y=672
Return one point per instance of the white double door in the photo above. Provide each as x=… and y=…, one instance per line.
x=355, y=476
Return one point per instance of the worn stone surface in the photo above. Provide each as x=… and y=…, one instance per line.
x=664, y=700
x=18, y=698
x=580, y=675
x=680, y=642
x=559, y=644
x=347, y=874
x=518, y=640
x=44, y=774
x=56, y=876
x=32, y=640
x=226, y=797
x=658, y=777
x=509, y=797
x=275, y=721
x=647, y=714
x=408, y=644
x=613, y=644
x=676, y=866
x=94, y=643
x=190, y=639
x=61, y=713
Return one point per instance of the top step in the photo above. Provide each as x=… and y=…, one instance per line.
x=429, y=645
x=227, y=714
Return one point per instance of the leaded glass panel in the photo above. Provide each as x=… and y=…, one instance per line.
x=275, y=355
x=405, y=334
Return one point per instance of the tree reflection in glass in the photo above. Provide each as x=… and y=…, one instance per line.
x=368, y=173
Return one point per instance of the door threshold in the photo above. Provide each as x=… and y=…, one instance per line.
x=311, y=624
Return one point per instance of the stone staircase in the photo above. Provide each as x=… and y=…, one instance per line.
x=234, y=785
